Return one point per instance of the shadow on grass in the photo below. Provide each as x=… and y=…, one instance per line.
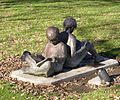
x=15, y=2
x=112, y=53
x=84, y=3
x=47, y=1
x=114, y=1
x=109, y=52
x=88, y=29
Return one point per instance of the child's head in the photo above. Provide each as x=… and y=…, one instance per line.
x=69, y=24
x=52, y=34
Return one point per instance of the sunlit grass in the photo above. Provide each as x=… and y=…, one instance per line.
x=103, y=94
x=23, y=23
x=6, y=93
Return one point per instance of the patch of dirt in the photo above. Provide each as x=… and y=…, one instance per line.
x=80, y=85
x=74, y=87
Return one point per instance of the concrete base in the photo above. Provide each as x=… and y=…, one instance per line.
x=95, y=81
x=64, y=76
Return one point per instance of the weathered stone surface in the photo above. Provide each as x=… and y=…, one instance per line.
x=95, y=81
x=64, y=76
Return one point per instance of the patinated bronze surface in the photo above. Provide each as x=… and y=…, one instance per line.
x=54, y=54
x=62, y=50
x=77, y=50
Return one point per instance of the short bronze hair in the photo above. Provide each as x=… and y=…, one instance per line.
x=69, y=22
x=52, y=33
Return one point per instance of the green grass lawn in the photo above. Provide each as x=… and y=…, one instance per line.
x=6, y=94
x=23, y=24
x=110, y=93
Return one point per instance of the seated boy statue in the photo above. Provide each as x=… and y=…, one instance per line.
x=54, y=54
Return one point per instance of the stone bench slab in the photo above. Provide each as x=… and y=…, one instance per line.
x=64, y=76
